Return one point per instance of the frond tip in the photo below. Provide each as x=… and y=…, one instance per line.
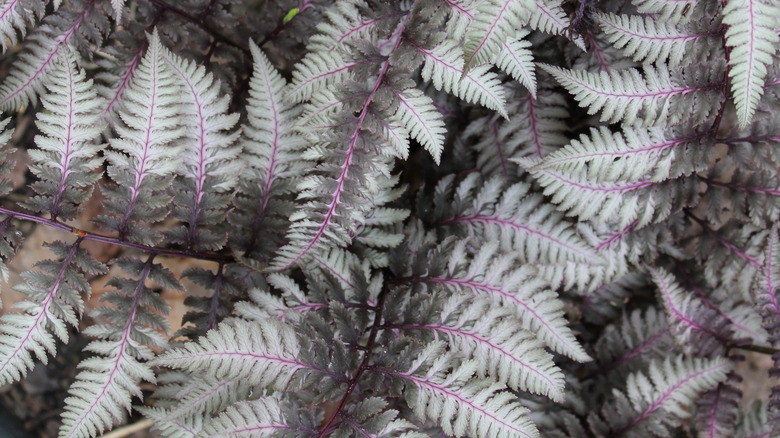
x=752, y=36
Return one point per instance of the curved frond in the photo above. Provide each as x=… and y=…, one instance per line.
x=439, y=390
x=444, y=68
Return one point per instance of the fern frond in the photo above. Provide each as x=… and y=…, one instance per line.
x=200, y=397
x=512, y=216
x=647, y=40
x=318, y=70
x=490, y=274
x=30, y=74
x=55, y=291
x=624, y=201
x=494, y=338
x=210, y=169
x=624, y=95
x=271, y=174
x=550, y=17
x=264, y=417
x=420, y=118
x=693, y=324
x=444, y=68
x=516, y=59
x=633, y=341
x=264, y=354
x=143, y=159
x=113, y=82
x=753, y=39
x=631, y=154
x=134, y=325
x=439, y=390
x=767, y=288
x=67, y=156
x=668, y=11
x=495, y=22
x=659, y=400
x=717, y=408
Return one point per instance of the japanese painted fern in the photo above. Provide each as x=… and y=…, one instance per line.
x=422, y=218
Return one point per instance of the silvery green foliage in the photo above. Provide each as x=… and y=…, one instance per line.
x=421, y=218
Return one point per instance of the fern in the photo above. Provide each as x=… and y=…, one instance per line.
x=752, y=37
x=423, y=218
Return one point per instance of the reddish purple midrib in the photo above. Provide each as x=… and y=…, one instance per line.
x=652, y=148
x=8, y=10
x=195, y=401
x=200, y=177
x=297, y=365
x=450, y=331
x=615, y=236
x=639, y=349
x=54, y=209
x=628, y=31
x=416, y=114
x=515, y=225
x=648, y=95
x=620, y=189
x=670, y=305
x=424, y=383
x=499, y=150
x=311, y=79
x=270, y=174
x=253, y=428
x=492, y=289
x=141, y=172
x=657, y=404
x=751, y=55
x=455, y=5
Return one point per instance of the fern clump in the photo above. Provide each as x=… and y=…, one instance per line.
x=422, y=218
